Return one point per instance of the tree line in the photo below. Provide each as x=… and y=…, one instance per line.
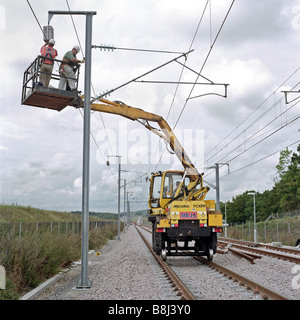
x=283, y=197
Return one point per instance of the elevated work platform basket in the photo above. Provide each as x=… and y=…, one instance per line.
x=36, y=95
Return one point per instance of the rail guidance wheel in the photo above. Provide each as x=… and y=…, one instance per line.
x=210, y=254
x=158, y=242
x=164, y=254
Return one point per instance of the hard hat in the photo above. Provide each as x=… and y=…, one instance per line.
x=52, y=41
x=76, y=48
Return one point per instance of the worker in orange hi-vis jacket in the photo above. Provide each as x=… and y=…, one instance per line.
x=49, y=53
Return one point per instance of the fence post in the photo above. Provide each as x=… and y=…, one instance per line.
x=249, y=230
x=20, y=230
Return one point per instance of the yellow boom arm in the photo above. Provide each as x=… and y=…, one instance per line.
x=165, y=132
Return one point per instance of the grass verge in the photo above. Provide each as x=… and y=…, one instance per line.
x=32, y=259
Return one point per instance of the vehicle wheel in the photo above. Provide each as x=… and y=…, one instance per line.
x=214, y=242
x=210, y=254
x=158, y=240
x=164, y=254
x=153, y=238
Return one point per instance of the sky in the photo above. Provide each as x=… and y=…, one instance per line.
x=251, y=45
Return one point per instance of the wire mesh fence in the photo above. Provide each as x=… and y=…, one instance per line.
x=286, y=231
x=21, y=229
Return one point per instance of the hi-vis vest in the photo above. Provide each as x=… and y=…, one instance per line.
x=48, y=52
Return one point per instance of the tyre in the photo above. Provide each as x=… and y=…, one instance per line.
x=158, y=242
x=210, y=254
x=214, y=240
x=153, y=238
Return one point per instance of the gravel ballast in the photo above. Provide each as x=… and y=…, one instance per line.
x=126, y=270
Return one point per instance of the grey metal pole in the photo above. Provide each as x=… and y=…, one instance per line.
x=254, y=219
x=217, y=187
x=119, y=190
x=84, y=282
x=119, y=196
x=226, y=234
x=124, y=205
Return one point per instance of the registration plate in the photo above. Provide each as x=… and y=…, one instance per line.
x=188, y=215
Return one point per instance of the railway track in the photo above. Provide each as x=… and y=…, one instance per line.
x=266, y=293
x=255, y=287
x=287, y=254
x=126, y=270
x=179, y=286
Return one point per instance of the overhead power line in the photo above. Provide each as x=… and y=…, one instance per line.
x=35, y=16
x=263, y=158
x=75, y=28
x=258, y=107
x=255, y=121
x=181, y=74
x=261, y=140
x=79, y=42
x=207, y=56
x=199, y=73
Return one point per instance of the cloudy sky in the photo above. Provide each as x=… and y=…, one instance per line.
x=256, y=52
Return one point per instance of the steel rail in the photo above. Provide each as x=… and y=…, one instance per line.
x=265, y=292
x=183, y=291
x=261, y=245
x=273, y=254
x=242, y=255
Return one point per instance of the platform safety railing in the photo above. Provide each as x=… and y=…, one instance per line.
x=32, y=75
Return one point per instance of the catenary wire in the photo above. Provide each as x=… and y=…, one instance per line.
x=291, y=120
x=259, y=106
x=78, y=39
x=35, y=17
x=177, y=87
x=263, y=158
x=199, y=74
x=100, y=114
x=204, y=63
x=259, y=130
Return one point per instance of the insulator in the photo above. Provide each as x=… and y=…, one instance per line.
x=48, y=33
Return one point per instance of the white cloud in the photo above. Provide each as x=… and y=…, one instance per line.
x=41, y=150
x=77, y=183
x=12, y=129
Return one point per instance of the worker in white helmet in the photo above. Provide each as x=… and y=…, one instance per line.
x=49, y=53
x=67, y=69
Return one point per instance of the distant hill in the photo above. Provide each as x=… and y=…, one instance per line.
x=17, y=213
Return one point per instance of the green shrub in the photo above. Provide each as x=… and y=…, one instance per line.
x=33, y=258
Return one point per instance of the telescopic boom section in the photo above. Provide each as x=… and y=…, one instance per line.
x=143, y=117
